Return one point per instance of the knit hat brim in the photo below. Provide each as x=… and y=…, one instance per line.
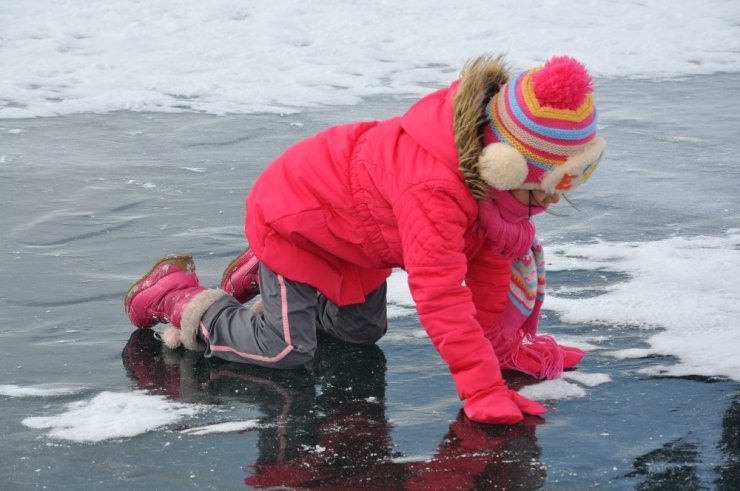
x=504, y=168
x=574, y=171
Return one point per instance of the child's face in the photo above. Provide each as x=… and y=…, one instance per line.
x=533, y=197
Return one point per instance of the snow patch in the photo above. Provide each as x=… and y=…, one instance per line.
x=44, y=390
x=228, y=427
x=111, y=415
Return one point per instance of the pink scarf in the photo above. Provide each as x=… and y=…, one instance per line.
x=507, y=225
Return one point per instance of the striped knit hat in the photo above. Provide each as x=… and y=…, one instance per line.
x=542, y=130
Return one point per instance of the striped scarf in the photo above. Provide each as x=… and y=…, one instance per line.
x=514, y=336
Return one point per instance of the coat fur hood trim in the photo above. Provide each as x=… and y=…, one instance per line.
x=480, y=79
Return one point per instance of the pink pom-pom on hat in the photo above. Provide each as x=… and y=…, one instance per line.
x=542, y=129
x=562, y=83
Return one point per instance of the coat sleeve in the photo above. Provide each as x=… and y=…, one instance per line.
x=432, y=225
x=489, y=278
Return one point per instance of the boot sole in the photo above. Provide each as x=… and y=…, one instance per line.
x=182, y=262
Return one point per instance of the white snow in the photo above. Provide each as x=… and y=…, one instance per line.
x=564, y=388
x=587, y=379
x=111, y=415
x=686, y=288
x=552, y=389
x=228, y=427
x=45, y=390
x=224, y=56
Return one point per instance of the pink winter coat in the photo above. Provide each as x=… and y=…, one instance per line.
x=340, y=209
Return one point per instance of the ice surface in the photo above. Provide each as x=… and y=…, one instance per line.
x=234, y=57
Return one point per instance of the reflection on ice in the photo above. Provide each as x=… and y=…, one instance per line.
x=326, y=425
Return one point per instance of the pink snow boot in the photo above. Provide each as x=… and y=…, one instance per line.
x=241, y=277
x=170, y=292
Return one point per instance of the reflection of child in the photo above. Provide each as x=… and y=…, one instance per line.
x=445, y=192
x=327, y=427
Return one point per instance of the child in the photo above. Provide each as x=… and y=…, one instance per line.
x=445, y=192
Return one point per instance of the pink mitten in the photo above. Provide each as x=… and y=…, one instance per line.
x=529, y=358
x=500, y=405
x=572, y=356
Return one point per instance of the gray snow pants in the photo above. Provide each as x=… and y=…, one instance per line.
x=284, y=334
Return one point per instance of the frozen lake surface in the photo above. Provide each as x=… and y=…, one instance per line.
x=644, y=277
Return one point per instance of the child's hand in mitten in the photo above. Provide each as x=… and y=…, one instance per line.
x=542, y=360
x=500, y=405
x=571, y=355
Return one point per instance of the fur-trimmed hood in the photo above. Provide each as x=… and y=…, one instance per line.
x=480, y=79
x=449, y=123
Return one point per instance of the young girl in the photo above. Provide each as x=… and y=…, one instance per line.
x=445, y=192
